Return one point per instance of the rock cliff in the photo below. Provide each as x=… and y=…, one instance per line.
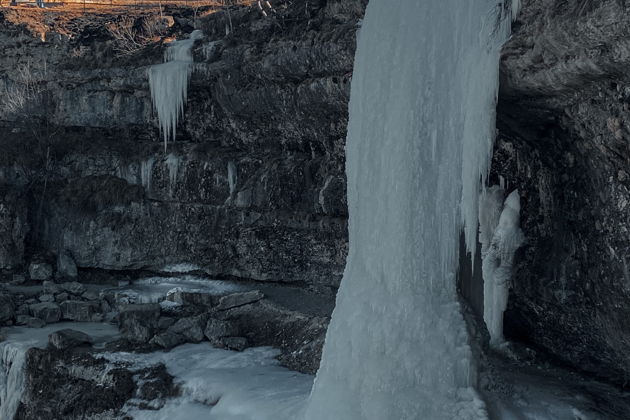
x=253, y=187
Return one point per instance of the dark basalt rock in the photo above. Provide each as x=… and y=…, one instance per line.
x=67, y=338
x=563, y=120
x=75, y=385
x=75, y=310
x=40, y=271
x=13, y=227
x=46, y=311
x=139, y=322
x=254, y=187
x=7, y=308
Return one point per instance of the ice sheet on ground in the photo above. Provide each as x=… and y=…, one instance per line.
x=155, y=289
x=181, y=268
x=224, y=385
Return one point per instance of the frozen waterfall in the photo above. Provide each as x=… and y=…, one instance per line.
x=12, y=359
x=169, y=84
x=422, y=121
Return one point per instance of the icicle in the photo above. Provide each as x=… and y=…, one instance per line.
x=516, y=9
x=232, y=177
x=146, y=173
x=172, y=163
x=498, y=255
x=169, y=84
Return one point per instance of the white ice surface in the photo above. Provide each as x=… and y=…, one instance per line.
x=155, y=289
x=181, y=268
x=497, y=254
x=224, y=385
x=420, y=135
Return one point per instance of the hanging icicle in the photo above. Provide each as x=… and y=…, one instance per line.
x=169, y=84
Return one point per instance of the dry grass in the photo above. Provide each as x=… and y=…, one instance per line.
x=16, y=94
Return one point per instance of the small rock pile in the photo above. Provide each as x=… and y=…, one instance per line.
x=186, y=317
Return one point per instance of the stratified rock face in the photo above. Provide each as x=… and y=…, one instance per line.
x=13, y=228
x=254, y=186
x=563, y=116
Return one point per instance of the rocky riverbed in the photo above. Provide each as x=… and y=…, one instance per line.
x=143, y=316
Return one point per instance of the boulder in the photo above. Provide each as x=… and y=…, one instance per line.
x=40, y=271
x=216, y=329
x=191, y=328
x=89, y=295
x=168, y=339
x=68, y=338
x=29, y=321
x=234, y=343
x=22, y=310
x=192, y=298
x=239, y=299
x=62, y=297
x=138, y=322
x=51, y=288
x=164, y=322
x=46, y=298
x=18, y=279
x=66, y=268
x=46, y=311
x=73, y=287
x=7, y=308
x=76, y=310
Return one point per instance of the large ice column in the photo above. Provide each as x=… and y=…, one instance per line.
x=419, y=142
x=497, y=253
x=169, y=84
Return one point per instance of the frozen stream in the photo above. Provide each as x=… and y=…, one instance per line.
x=224, y=385
x=156, y=289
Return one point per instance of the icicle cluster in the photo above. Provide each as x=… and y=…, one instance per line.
x=169, y=84
x=420, y=135
x=500, y=236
